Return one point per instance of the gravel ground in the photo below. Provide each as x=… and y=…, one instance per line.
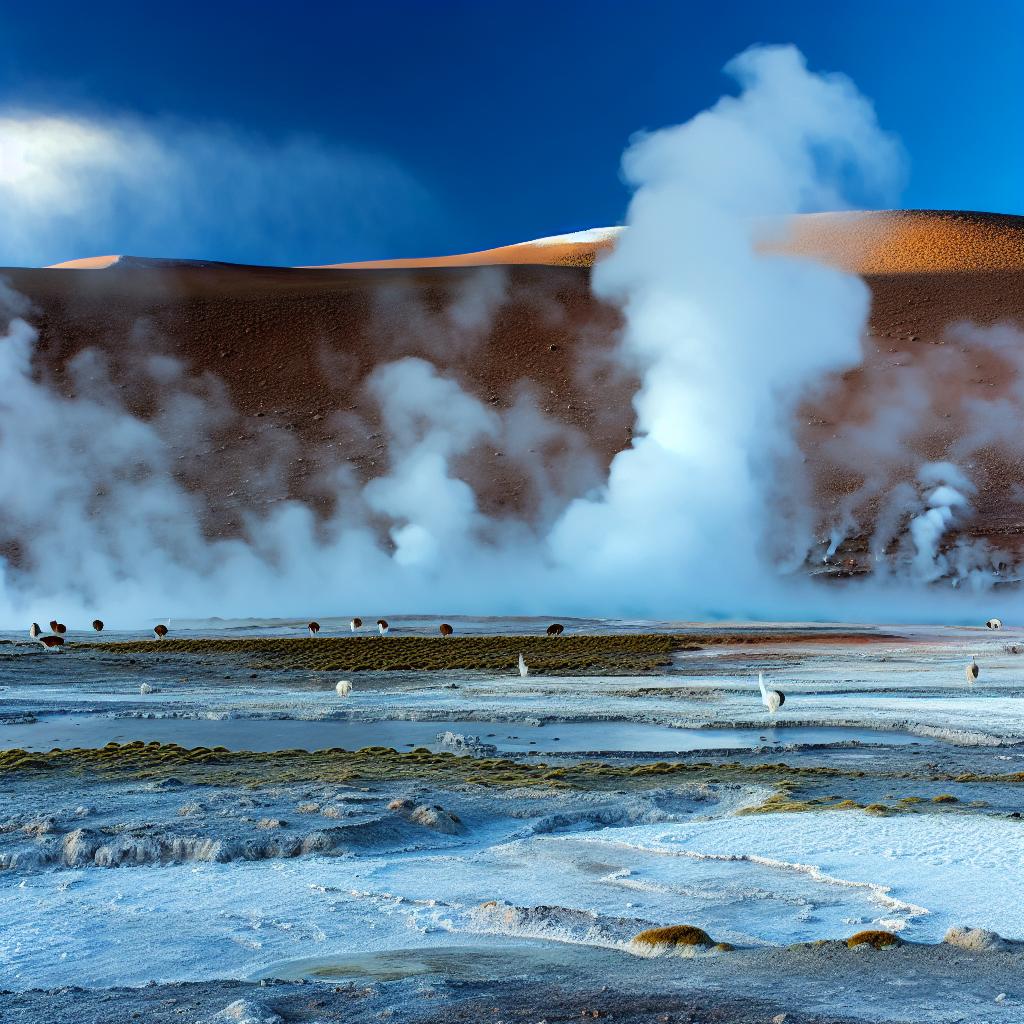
x=824, y=984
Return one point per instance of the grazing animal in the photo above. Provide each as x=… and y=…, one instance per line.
x=972, y=671
x=382, y=626
x=34, y=631
x=524, y=669
x=314, y=628
x=160, y=631
x=771, y=699
x=145, y=688
x=61, y=628
x=355, y=624
x=97, y=624
x=52, y=643
x=994, y=623
x=556, y=629
x=446, y=630
x=344, y=688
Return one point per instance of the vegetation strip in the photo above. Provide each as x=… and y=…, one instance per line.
x=614, y=654
x=220, y=766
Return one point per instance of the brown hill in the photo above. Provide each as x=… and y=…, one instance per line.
x=291, y=350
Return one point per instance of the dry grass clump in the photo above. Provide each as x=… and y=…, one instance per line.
x=875, y=938
x=780, y=803
x=880, y=809
x=678, y=938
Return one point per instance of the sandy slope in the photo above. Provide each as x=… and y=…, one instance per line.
x=292, y=349
x=888, y=242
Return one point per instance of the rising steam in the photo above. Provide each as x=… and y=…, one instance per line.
x=703, y=514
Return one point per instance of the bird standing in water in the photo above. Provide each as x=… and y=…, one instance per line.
x=771, y=699
x=34, y=631
x=355, y=624
x=382, y=627
x=524, y=669
x=972, y=672
x=314, y=628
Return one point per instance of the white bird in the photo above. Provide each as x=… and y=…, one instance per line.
x=994, y=624
x=972, y=671
x=145, y=688
x=382, y=627
x=524, y=669
x=354, y=624
x=771, y=699
x=344, y=688
x=35, y=632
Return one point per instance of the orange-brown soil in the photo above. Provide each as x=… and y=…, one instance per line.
x=291, y=350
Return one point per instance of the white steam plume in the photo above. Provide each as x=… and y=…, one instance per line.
x=727, y=338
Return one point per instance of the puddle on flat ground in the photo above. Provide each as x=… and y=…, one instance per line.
x=471, y=962
x=286, y=734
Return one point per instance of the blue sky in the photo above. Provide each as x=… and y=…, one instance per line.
x=354, y=131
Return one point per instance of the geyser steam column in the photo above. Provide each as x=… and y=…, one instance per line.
x=726, y=336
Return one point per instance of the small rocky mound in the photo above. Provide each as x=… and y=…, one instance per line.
x=977, y=940
x=434, y=817
x=676, y=940
x=876, y=939
x=463, y=745
x=245, y=1011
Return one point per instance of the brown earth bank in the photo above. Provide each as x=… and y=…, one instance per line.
x=278, y=359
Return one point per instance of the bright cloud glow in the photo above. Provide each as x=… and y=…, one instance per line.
x=74, y=186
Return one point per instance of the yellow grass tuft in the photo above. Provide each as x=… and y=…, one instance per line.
x=674, y=935
x=876, y=939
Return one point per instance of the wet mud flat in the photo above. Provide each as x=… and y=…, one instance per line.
x=824, y=984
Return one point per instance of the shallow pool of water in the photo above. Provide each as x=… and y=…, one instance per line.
x=479, y=960
x=285, y=734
